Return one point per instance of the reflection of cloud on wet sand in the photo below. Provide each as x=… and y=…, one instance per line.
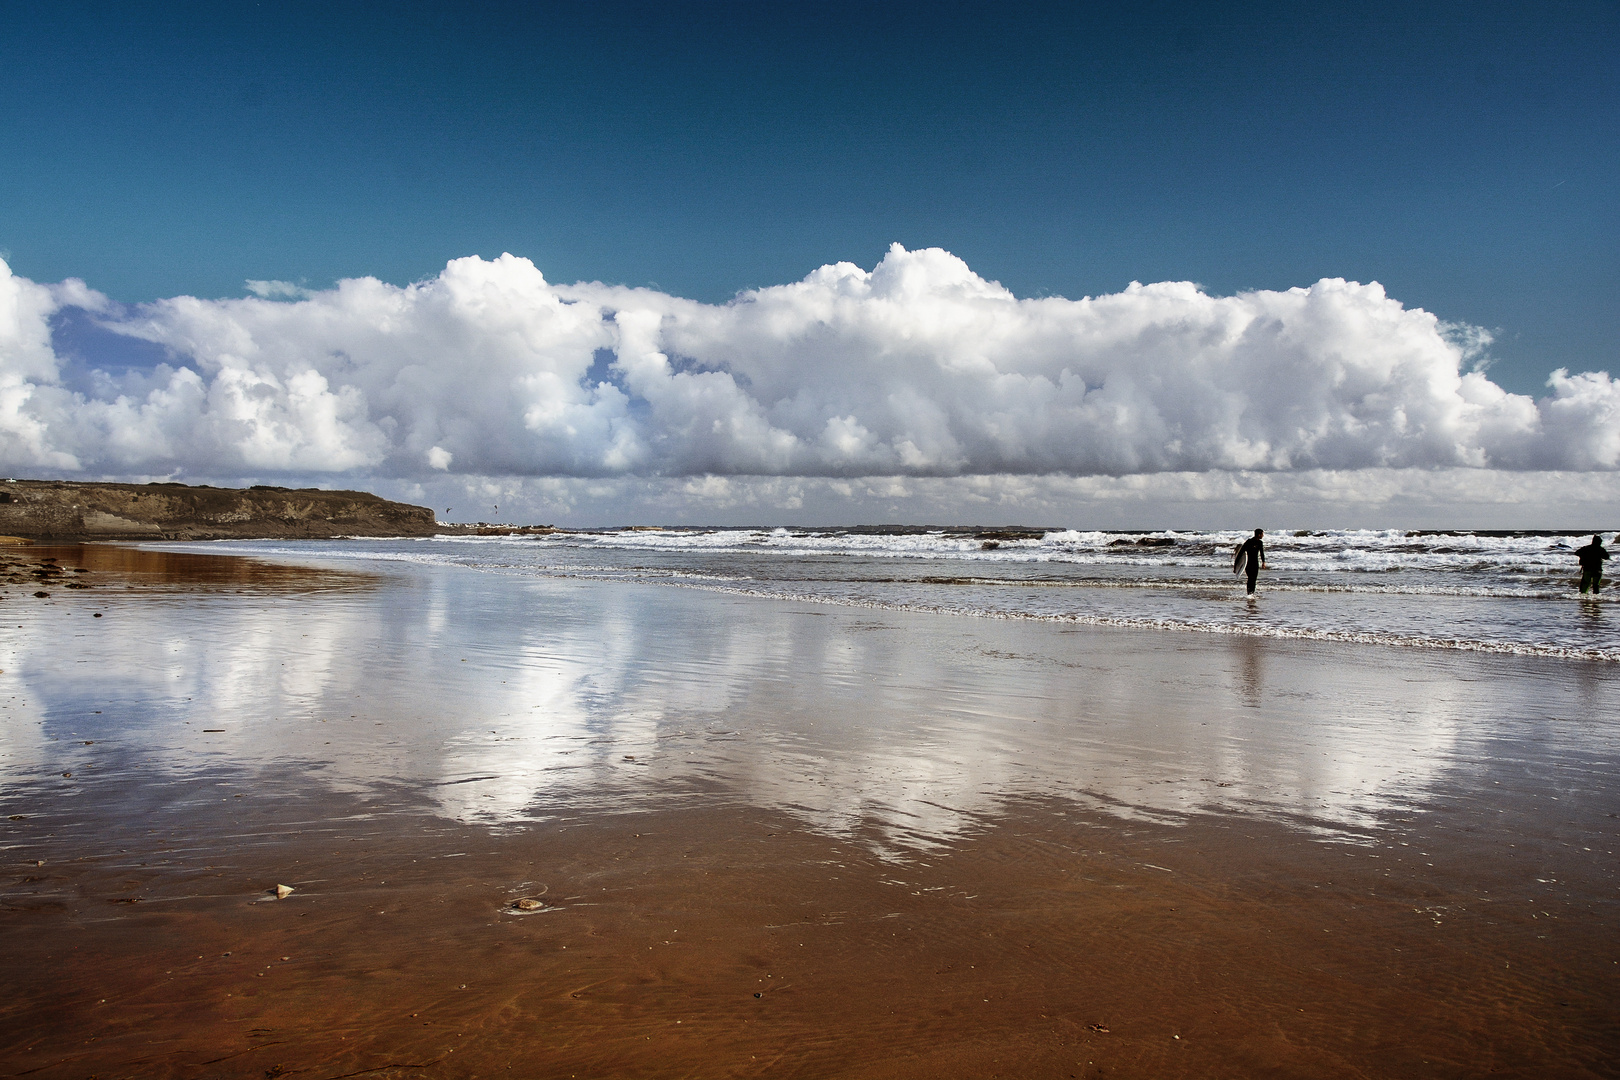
x=24, y=744
x=501, y=700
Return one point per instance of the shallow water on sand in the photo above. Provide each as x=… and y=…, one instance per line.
x=225, y=724
x=519, y=696
x=1510, y=594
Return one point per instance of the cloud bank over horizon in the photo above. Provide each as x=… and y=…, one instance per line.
x=916, y=370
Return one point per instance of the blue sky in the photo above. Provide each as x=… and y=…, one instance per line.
x=1464, y=155
x=770, y=239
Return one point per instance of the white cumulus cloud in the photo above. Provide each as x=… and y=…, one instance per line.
x=918, y=368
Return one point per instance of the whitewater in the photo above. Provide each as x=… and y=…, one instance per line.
x=1503, y=592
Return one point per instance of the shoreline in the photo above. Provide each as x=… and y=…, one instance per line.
x=1218, y=587
x=1165, y=625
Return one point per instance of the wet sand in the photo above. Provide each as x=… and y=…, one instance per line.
x=931, y=846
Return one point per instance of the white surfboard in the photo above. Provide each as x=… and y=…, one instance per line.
x=1240, y=559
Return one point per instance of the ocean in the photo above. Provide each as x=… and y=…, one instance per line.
x=1497, y=592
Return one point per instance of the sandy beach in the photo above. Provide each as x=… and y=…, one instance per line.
x=775, y=838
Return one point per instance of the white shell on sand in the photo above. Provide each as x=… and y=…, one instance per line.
x=283, y=891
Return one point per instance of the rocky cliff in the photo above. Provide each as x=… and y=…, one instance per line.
x=67, y=510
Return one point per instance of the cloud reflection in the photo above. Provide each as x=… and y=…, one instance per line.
x=499, y=700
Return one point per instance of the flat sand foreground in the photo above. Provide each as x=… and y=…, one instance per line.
x=775, y=839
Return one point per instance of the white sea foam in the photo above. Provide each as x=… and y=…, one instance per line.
x=1360, y=637
x=1344, y=550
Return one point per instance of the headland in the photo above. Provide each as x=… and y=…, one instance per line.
x=62, y=510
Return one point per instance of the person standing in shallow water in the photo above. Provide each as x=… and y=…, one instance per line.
x=1592, y=556
x=1252, y=556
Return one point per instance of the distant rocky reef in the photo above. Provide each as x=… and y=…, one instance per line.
x=64, y=510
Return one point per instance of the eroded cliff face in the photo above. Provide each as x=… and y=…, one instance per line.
x=68, y=510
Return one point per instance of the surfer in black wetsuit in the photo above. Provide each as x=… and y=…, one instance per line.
x=1592, y=556
x=1251, y=557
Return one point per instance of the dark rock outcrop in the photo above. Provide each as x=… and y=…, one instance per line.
x=1146, y=541
x=70, y=510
